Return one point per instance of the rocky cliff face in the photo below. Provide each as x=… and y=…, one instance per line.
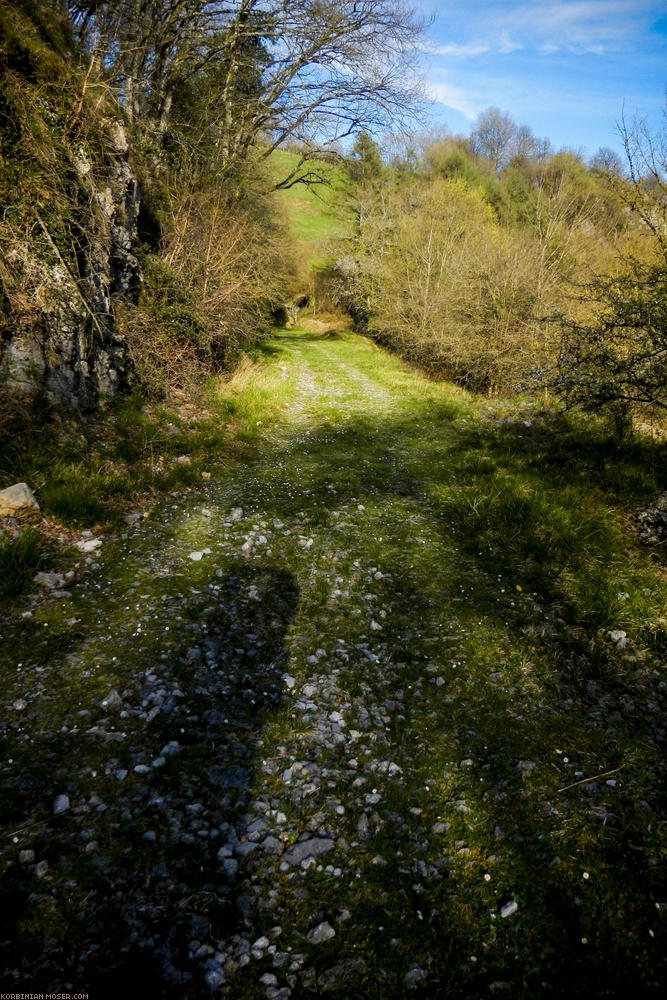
x=58, y=335
x=68, y=225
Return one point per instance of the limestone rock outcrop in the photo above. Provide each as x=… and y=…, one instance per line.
x=17, y=498
x=56, y=319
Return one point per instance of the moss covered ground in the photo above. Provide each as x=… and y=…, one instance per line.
x=411, y=625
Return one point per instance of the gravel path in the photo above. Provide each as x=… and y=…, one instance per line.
x=242, y=753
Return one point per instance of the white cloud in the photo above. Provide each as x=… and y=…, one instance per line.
x=506, y=44
x=460, y=51
x=576, y=26
x=453, y=97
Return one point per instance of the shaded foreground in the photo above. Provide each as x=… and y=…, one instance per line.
x=381, y=714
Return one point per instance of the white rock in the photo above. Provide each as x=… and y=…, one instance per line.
x=323, y=932
x=89, y=545
x=112, y=700
x=60, y=805
x=215, y=978
x=236, y=514
x=50, y=581
x=17, y=497
x=509, y=909
x=414, y=977
x=198, y=556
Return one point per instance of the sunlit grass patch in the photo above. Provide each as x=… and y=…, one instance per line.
x=315, y=215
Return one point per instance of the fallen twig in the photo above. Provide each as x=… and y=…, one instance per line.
x=594, y=777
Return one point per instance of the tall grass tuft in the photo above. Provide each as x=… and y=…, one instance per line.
x=20, y=558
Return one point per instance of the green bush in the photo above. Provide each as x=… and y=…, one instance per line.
x=617, y=362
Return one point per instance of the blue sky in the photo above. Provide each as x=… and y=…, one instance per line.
x=565, y=69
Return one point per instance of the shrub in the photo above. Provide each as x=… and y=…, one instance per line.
x=446, y=286
x=613, y=355
x=617, y=362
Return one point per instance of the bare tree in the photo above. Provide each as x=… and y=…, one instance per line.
x=607, y=161
x=494, y=136
x=269, y=70
x=615, y=360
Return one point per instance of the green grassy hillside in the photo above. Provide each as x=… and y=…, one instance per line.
x=316, y=215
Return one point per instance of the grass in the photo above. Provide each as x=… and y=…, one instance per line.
x=462, y=564
x=20, y=558
x=500, y=533
x=86, y=472
x=318, y=215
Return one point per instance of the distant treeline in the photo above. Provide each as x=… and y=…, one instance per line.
x=496, y=261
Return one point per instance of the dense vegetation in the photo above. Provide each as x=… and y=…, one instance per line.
x=500, y=263
x=491, y=259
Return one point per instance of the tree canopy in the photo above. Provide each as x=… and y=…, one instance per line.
x=307, y=71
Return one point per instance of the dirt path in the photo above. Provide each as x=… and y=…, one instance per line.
x=311, y=729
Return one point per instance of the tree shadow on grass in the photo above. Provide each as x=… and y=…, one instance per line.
x=534, y=705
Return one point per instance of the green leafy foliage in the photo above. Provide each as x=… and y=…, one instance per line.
x=618, y=361
x=365, y=160
x=458, y=260
x=613, y=355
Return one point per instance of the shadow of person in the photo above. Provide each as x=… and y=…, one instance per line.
x=189, y=885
